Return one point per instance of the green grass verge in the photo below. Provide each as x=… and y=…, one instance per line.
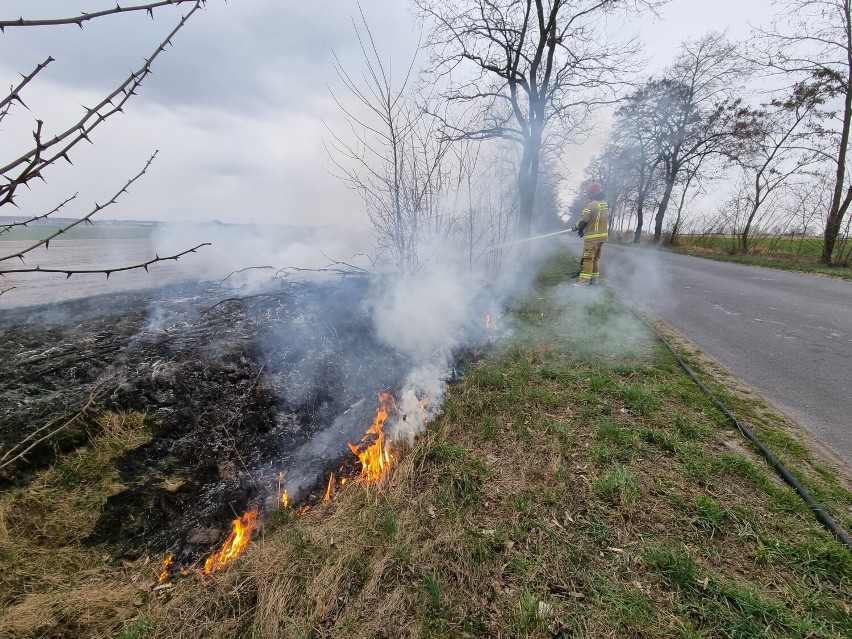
x=780, y=253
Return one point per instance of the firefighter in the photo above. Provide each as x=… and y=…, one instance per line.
x=592, y=227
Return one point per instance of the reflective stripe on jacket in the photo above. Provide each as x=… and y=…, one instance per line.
x=596, y=217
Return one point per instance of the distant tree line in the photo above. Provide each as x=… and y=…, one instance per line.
x=761, y=125
x=758, y=128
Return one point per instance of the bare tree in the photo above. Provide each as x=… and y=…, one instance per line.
x=697, y=112
x=780, y=147
x=692, y=176
x=527, y=71
x=636, y=139
x=35, y=163
x=813, y=38
x=392, y=155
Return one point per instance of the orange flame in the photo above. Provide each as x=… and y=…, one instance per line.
x=371, y=452
x=234, y=544
x=329, y=491
x=167, y=564
x=489, y=324
x=285, y=499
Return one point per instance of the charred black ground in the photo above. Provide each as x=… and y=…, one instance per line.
x=240, y=388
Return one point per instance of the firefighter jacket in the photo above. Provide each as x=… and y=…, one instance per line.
x=595, y=220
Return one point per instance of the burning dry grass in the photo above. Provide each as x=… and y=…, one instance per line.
x=575, y=484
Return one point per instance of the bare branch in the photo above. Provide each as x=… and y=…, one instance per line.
x=68, y=272
x=53, y=427
x=8, y=227
x=45, y=153
x=98, y=207
x=85, y=17
x=15, y=92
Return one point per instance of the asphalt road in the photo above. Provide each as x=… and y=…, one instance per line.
x=788, y=336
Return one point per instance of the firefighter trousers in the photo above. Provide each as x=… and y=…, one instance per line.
x=590, y=265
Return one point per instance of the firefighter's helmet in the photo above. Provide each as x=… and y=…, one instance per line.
x=593, y=188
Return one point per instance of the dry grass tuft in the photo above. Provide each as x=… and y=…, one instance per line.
x=51, y=585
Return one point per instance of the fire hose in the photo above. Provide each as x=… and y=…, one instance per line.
x=819, y=511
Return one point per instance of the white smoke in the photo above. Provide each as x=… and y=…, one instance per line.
x=424, y=317
x=254, y=253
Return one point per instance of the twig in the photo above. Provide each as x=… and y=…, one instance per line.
x=98, y=207
x=8, y=227
x=339, y=271
x=244, y=297
x=31, y=165
x=85, y=17
x=8, y=459
x=107, y=271
x=242, y=270
x=357, y=268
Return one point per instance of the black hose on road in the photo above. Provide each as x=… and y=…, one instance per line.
x=821, y=514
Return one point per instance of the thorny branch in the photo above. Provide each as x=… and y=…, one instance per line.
x=5, y=228
x=32, y=163
x=15, y=92
x=98, y=207
x=106, y=271
x=85, y=17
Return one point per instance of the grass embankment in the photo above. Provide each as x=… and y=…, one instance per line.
x=577, y=483
x=802, y=255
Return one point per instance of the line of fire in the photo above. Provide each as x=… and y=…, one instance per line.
x=375, y=459
x=256, y=400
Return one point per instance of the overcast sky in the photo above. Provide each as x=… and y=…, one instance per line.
x=237, y=107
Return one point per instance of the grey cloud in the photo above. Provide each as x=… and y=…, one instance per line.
x=253, y=57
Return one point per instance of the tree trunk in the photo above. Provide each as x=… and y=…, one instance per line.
x=664, y=204
x=527, y=183
x=833, y=224
x=676, y=227
x=526, y=199
x=744, y=237
x=640, y=220
x=838, y=209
